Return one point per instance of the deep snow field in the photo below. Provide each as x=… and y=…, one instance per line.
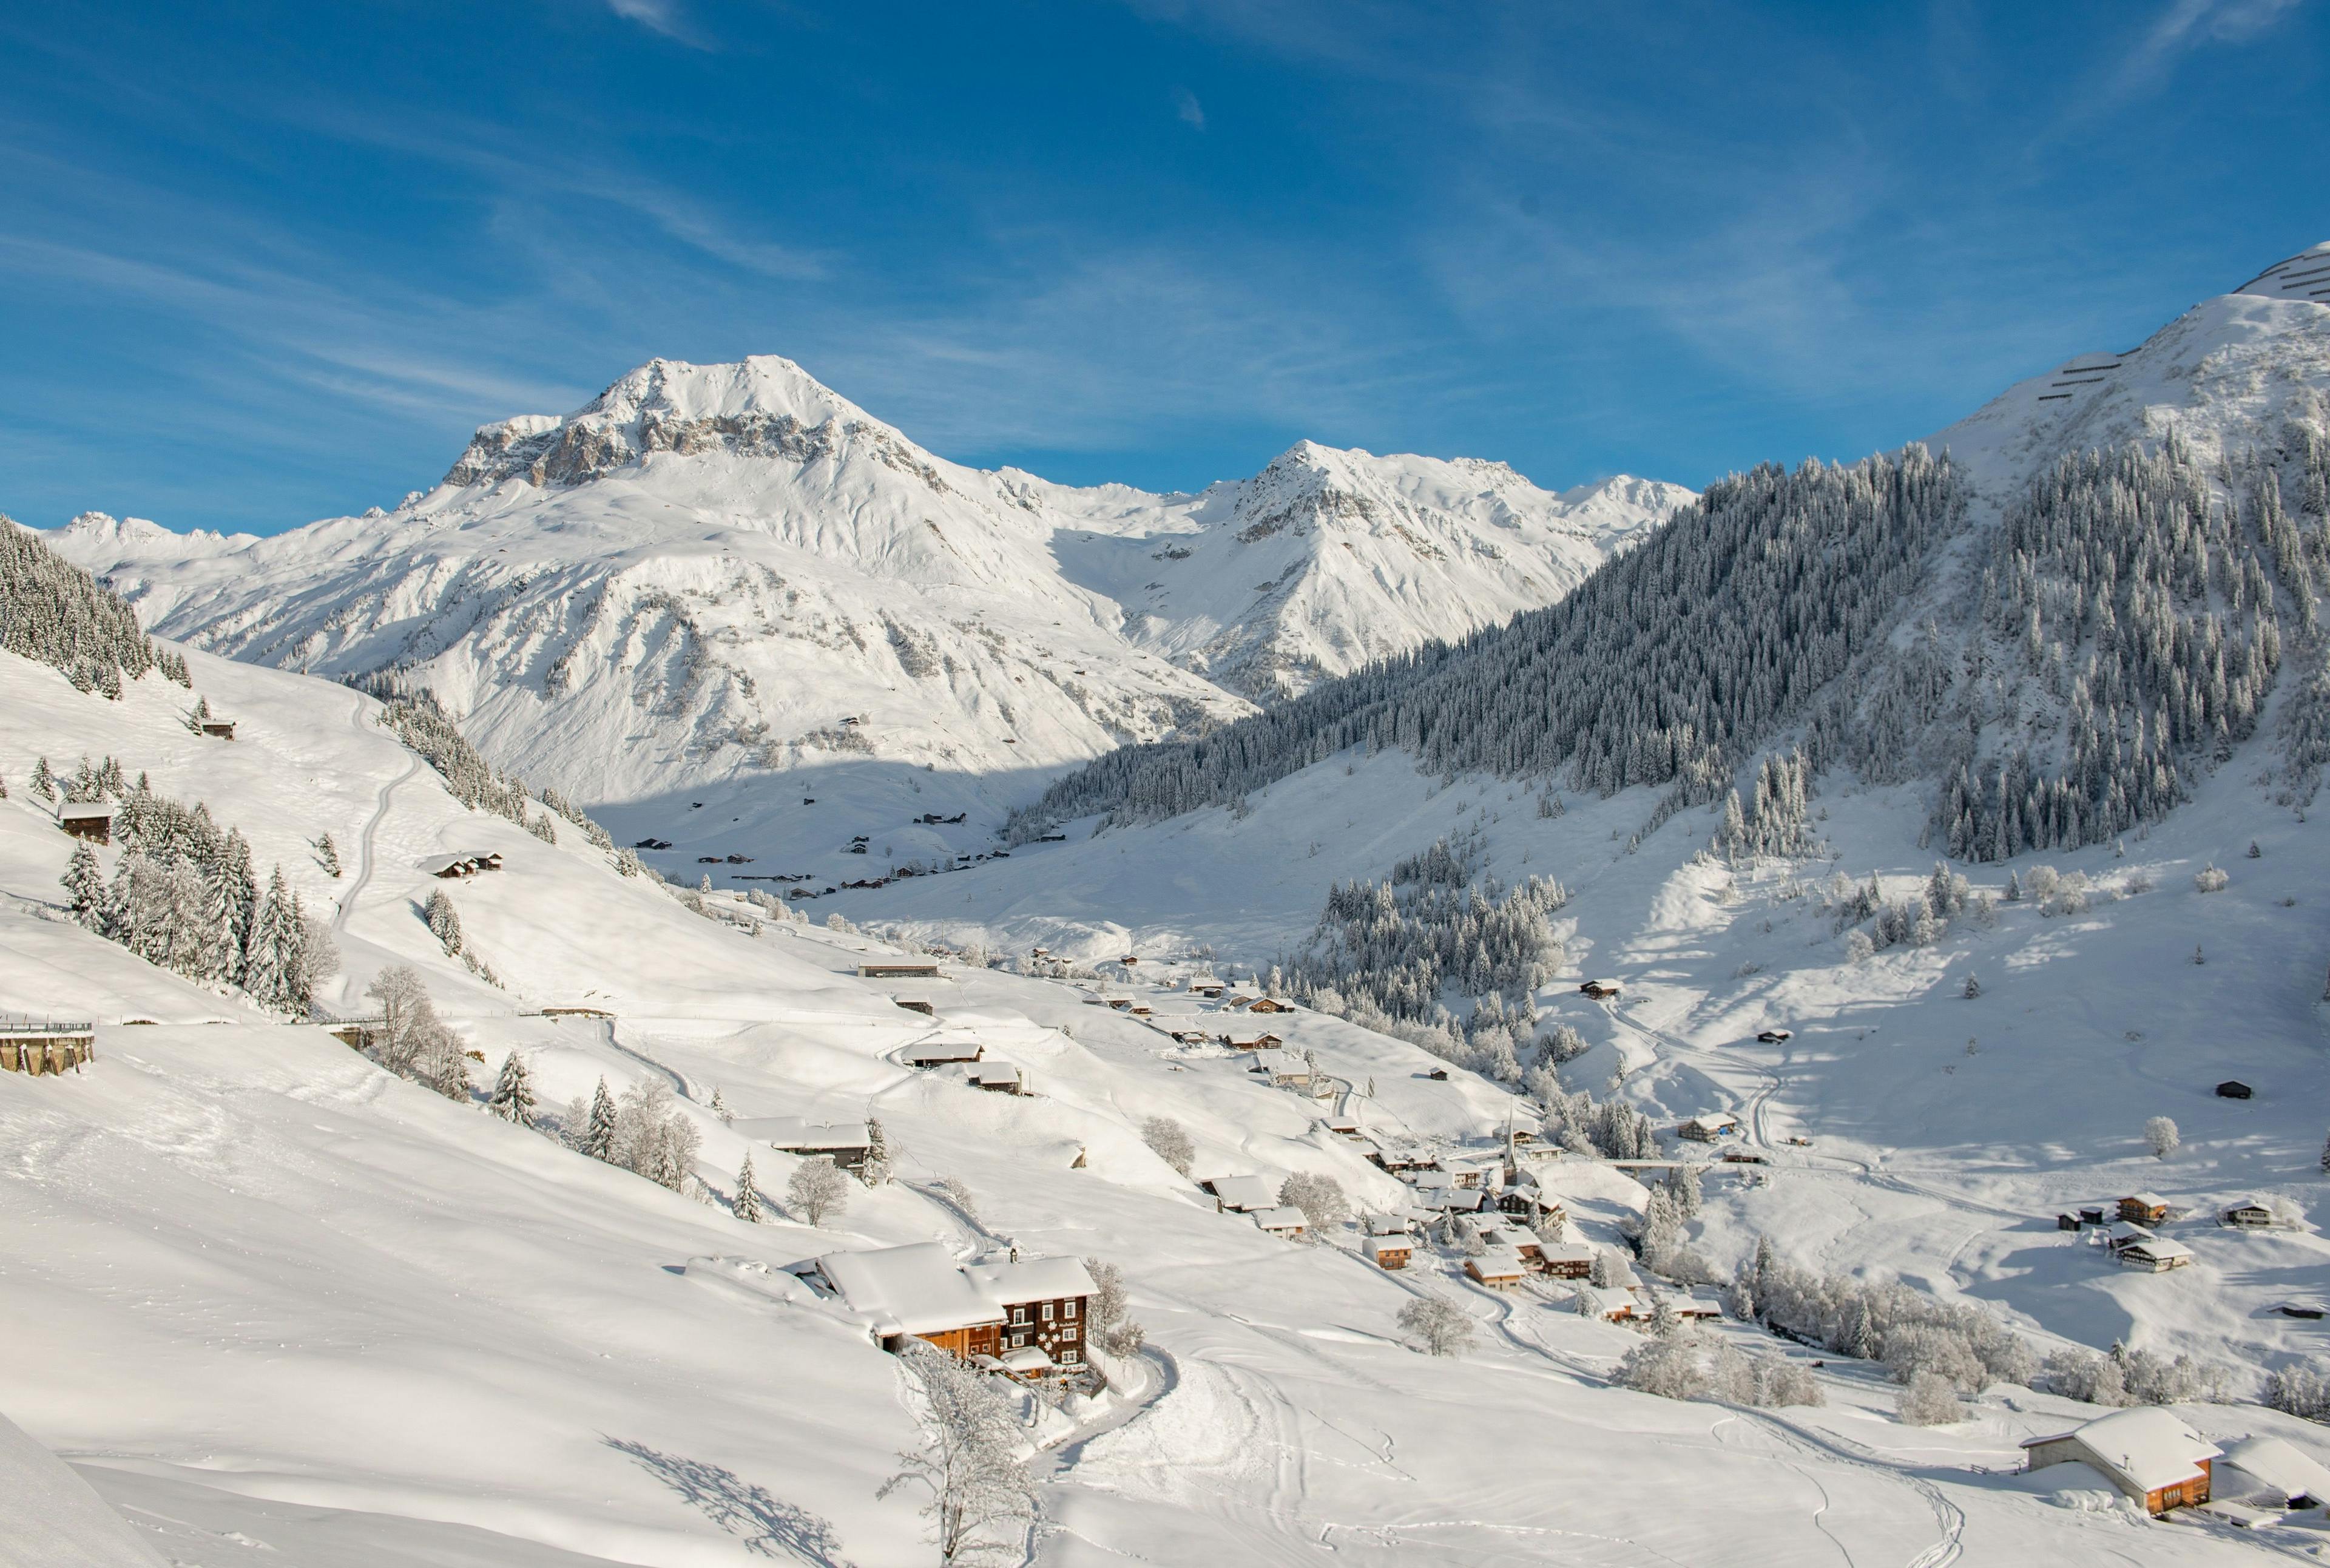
x=280, y=1307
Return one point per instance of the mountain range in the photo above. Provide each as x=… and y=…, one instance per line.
x=716, y=571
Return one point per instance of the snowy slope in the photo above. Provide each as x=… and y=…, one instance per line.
x=2224, y=376
x=278, y=1306
x=713, y=571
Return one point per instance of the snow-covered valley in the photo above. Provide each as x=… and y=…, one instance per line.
x=277, y=1304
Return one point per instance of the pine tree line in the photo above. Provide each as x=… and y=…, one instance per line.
x=55, y=612
x=184, y=896
x=1667, y=664
x=2122, y=636
x=1778, y=821
x=426, y=729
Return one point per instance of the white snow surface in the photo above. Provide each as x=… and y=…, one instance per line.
x=280, y=1307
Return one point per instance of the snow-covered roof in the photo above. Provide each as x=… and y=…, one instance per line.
x=1387, y=1224
x=1244, y=1191
x=2282, y=1466
x=1609, y=1300
x=1498, y=1262
x=1278, y=1061
x=995, y=1070
x=2155, y=1247
x=1401, y=1242
x=2145, y=1446
x=1713, y=1121
x=917, y=1289
x=2126, y=1230
x=798, y=1133
x=2149, y=1199
x=83, y=811
x=1565, y=1252
x=1031, y=1279
x=1279, y=1219
x=945, y=1045
x=1026, y=1358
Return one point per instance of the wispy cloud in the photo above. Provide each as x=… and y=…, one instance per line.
x=2187, y=26
x=662, y=16
x=1186, y=105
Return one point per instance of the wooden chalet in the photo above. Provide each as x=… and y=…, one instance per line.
x=1284, y=1069
x=576, y=1011
x=1209, y=991
x=2144, y=1208
x=1391, y=1251
x=990, y=1314
x=846, y=1143
x=46, y=1047
x=1265, y=1004
x=1240, y=1194
x=1283, y=1222
x=1696, y=1305
x=89, y=820
x=2155, y=1256
x=1498, y=1267
x=2124, y=1233
x=921, y=1005
x=2145, y=1452
x=2233, y=1089
x=218, y=729
x=1240, y=1041
x=1566, y=1260
x=2249, y=1215
x=1003, y=1077
x=1601, y=990
x=1709, y=1128
x=948, y=1045
x=900, y=969
x=452, y=868
x=1386, y=1224
x=1610, y=1303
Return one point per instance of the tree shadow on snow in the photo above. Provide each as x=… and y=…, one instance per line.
x=766, y=1524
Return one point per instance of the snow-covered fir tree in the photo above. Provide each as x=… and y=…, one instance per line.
x=53, y=611
x=513, y=1095
x=746, y=1204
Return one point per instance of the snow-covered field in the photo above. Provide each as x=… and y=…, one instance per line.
x=277, y=1305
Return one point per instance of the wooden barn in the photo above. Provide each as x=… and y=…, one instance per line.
x=452, y=867
x=1240, y=1194
x=2145, y=1452
x=899, y=969
x=2156, y=1256
x=1003, y=1077
x=1286, y=1221
x=90, y=820
x=923, y=1005
x=46, y=1047
x=1391, y=1251
x=1601, y=990
x=948, y=1045
x=218, y=729
x=2233, y=1089
x=846, y=1143
x=1707, y=1129
x=2143, y=1209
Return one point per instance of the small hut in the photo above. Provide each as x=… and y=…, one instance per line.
x=89, y=820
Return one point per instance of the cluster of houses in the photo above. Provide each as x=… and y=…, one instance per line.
x=1025, y=1318
x=962, y=1047
x=452, y=867
x=2126, y=1229
x=44, y=1047
x=2153, y=1458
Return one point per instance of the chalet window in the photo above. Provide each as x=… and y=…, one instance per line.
x=1018, y=1314
x=1069, y=1310
x=1068, y=1358
x=1018, y=1340
x=1069, y=1332
x=1047, y=1312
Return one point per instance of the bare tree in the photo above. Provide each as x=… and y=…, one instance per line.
x=1105, y=1322
x=819, y=1188
x=1930, y=1401
x=1443, y=1328
x=1321, y=1199
x=1169, y=1140
x=981, y=1497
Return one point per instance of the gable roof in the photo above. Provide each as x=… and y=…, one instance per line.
x=799, y=1132
x=1244, y=1191
x=2145, y=1447
x=2282, y=1466
x=910, y=1290
x=1281, y=1219
x=1031, y=1279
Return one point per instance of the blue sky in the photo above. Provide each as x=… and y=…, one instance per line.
x=264, y=263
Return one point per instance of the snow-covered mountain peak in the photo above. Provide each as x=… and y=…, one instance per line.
x=761, y=407
x=2225, y=377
